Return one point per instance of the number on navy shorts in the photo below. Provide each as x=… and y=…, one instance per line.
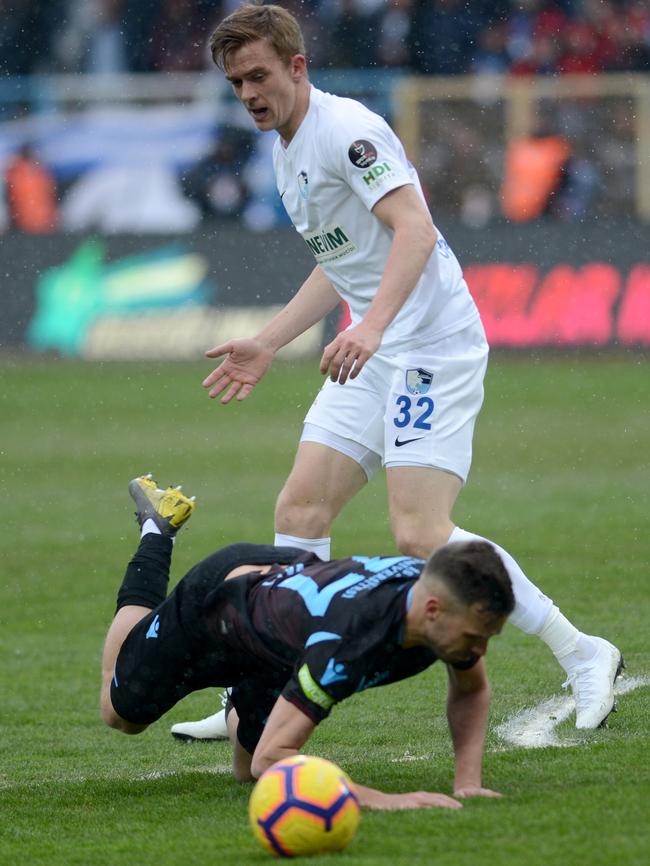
x=404, y=415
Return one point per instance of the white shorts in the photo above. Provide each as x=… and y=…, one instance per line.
x=417, y=408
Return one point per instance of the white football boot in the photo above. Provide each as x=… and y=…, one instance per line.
x=592, y=684
x=211, y=728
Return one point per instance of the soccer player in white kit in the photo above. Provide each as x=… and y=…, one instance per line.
x=406, y=378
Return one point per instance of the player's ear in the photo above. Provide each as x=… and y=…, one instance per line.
x=433, y=607
x=298, y=66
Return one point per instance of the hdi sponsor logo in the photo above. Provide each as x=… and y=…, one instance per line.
x=374, y=175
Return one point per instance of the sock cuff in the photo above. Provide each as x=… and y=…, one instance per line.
x=458, y=534
x=560, y=635
x=320, y=546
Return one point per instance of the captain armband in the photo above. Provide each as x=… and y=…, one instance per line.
x=313, y=691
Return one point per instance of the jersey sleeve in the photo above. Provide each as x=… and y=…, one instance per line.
x=367, y=154
x=322, y=678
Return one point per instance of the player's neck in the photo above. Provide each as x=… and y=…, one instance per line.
x=291, y=127
x=413, y=634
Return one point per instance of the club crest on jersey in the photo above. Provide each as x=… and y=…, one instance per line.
x=303, y=185
x=362, y=153
x=418, y=380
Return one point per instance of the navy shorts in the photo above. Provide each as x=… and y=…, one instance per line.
x=160, y=663
x=171, y=653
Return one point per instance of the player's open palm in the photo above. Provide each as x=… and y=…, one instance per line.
x=247, y=360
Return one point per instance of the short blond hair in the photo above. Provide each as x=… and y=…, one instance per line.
x=252, y=22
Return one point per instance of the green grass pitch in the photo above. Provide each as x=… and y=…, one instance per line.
x=560, y=478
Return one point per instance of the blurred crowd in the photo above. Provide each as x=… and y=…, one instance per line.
x=578, y=157
x=442, y=37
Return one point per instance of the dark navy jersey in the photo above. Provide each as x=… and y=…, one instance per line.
x=324, y=629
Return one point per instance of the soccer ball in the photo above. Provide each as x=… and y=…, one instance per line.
x=303, y=805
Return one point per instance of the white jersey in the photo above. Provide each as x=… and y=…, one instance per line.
x=342, y=160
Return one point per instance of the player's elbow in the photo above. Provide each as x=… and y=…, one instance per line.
x=423, y=233
x=429, y=238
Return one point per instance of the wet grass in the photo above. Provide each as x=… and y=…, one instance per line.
x=561, y=478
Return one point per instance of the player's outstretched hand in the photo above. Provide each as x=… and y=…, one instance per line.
x=420, y=800
x=373, y=799
x=246, y=362
x=475, y=791
x=346, y=355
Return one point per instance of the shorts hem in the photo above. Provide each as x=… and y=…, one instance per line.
x=370, y=461
x=394, y=464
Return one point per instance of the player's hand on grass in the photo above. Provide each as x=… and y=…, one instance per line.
x=475, y=791
x=346, y=355
x=246, y=362
x=373, y=799
x=420, y=800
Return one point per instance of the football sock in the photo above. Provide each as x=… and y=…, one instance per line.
x=147, y=575
x=569, y=646
x=532, y=607
x=150, y=526
x=320, y=546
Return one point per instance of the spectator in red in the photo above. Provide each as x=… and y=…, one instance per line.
x=583, y=49
x=31, y=194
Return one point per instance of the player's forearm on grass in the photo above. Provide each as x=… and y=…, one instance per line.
x=313, y=301
x=369, y=798
x=410, y=251
x=467, y=713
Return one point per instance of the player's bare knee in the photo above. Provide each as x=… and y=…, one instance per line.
x=301, y=515
x=113, y=720
x=241, y=763
x=414, y=540
x=242, y=774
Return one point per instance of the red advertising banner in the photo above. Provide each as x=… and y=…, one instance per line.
x=548, y=286
x=592, y=305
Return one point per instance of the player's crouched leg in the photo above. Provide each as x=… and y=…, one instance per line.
x=241, y=759
x=150, y=672
x=125, y=619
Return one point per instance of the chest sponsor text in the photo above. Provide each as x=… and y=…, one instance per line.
x=330, y=243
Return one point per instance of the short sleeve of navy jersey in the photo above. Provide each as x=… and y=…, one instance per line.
x=356, y=646
x=321, y=679
x=368, y=155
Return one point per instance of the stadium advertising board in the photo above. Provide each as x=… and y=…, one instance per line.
x=143, y=297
